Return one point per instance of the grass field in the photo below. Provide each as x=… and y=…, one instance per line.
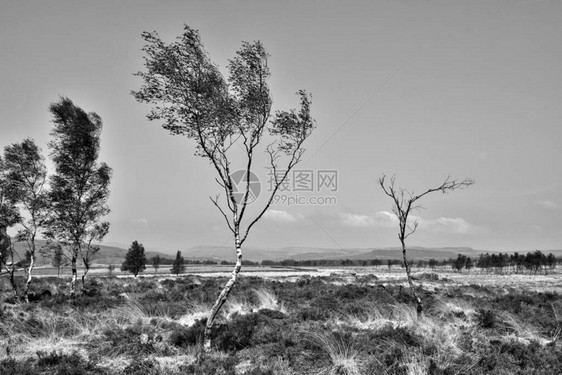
x=287, y=321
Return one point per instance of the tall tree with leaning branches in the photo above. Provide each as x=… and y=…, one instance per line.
x=404, y=202
x=9, y=216
x=27, y=175
x=191, y=96
x=80, y=184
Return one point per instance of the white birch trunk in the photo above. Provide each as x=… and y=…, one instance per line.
x=225, y=292
x=28, y=281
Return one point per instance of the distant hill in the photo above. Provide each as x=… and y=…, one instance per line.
x=305, y=253
x=116, y=254
x=419, y=253
x=106, y=255
x=224, y=253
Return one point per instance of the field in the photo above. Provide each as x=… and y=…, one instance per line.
x=286, y=321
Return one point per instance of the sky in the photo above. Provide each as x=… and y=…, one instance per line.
x=417, y=89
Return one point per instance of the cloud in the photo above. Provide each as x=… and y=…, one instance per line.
x=454, y=225
x=549, y=205
x=354, y=220
x=381, y=219
x=282, y=216
x=385, y=219
x=141, y=222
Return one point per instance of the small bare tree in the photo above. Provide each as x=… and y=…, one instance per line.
x=404, y=202
x=193, y=98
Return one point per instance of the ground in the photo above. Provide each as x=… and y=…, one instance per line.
x=287, y=321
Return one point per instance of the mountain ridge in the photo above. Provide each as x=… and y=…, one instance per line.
x=116, y=255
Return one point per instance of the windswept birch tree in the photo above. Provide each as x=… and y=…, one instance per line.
x=9, y=216
x=191, y=96
x=404, y=202
x=80, y=185
x=27, y=175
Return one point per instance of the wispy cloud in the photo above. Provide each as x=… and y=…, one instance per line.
x=381, y=219
x=549, y=205
x=141, y=222
x=282, y=216
x=453, y=225
x=355, y=220
x=385, y=219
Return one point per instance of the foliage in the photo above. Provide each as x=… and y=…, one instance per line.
x=532, y=261
x=192, y=98
x=135, y=260
x=80, y=185
x=26, y=174
x=178, y=265
x=58, y=259
x=9, y=213
x=156, y=261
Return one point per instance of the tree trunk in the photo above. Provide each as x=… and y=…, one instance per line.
x=30, y=268
x=410, y=282
x=74, y=272
x=13, y=280
x=28, y=281
x=86, y=269
x=6, y=248
x=225, y=292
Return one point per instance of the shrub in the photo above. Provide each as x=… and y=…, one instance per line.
x=236, y=334
x=132, y=341
x=184, y=337
x=140, y=366
x=486, y=318
x=65, y=364
x=11, y=366
x=213, y=366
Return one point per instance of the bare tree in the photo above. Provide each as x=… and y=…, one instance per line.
x=404, y=202
x=193, y=98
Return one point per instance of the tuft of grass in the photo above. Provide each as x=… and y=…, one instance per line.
x=266, y=300
x=415, y=362
x=345, y=358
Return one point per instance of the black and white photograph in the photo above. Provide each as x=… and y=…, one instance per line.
x=316, y=187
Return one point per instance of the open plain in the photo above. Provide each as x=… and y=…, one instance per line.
x=359, y=320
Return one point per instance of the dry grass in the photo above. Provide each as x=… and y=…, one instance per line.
x=266, y=299
x=344, y=357
x=444, y=335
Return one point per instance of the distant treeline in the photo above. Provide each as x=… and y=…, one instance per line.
x=532, y=262
x=518, y=263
